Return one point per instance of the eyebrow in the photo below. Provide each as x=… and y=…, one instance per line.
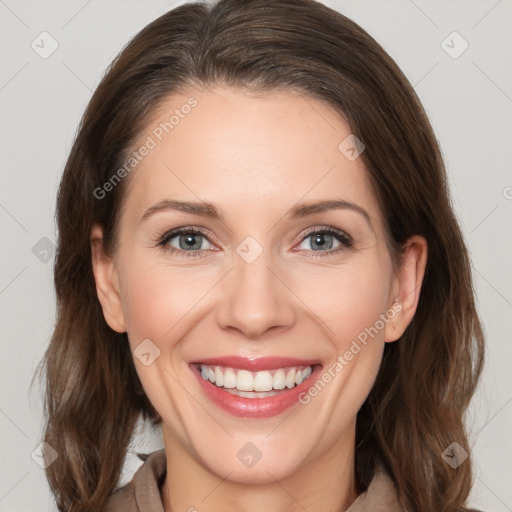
x=209, y=210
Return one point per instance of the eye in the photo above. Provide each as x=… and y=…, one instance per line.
x=184, y=242
x=323, y=240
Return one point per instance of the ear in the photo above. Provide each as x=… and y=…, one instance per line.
x=107, y=282
x=406, y=287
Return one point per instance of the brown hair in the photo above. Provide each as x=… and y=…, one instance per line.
x=417, y=406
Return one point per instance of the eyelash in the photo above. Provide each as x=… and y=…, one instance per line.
x=345, y=240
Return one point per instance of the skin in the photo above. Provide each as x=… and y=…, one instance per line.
x=255, y=157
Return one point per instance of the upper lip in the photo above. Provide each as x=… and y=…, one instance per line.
x=256, y=364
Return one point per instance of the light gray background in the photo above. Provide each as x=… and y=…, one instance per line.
x=468, y=99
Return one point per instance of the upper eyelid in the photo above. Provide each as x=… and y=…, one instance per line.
x=328, y=229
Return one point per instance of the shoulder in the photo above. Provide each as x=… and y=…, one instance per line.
x=142, y=493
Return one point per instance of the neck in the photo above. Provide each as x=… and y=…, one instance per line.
x=324, y=484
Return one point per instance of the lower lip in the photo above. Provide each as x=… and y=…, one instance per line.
x=255, y=407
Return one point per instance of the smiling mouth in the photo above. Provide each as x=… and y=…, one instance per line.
x=252, y=384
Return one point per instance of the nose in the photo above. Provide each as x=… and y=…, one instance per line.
x=255, y=298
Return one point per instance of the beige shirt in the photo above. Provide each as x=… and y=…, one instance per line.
x=142, y=493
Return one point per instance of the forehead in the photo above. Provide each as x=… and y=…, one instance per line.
x=245, y=150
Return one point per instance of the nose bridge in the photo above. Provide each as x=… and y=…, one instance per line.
x=254, y=299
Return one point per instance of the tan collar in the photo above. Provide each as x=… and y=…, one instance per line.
x=381, y=496
x=142, y=493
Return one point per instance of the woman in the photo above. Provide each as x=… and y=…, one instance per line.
x=257, y=251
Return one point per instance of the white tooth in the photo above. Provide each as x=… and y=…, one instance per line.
x=244, y=381
x=244, y=394
x=229, y=379
x=211, y=375
x=253, y=394
x=263, y=381
x=290, y=378
x=204, y=372
x=219, y=378
x=264, y=394
x=306, y=373
x=298, y=377
x=279, y=381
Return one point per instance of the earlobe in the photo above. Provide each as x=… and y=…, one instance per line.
x=409, y=279
x=107, y=282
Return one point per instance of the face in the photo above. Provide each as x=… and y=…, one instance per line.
x=259, y=287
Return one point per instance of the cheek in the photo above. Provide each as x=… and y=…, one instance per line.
x=367, y=299
x=348, y=299
x=157, y=297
